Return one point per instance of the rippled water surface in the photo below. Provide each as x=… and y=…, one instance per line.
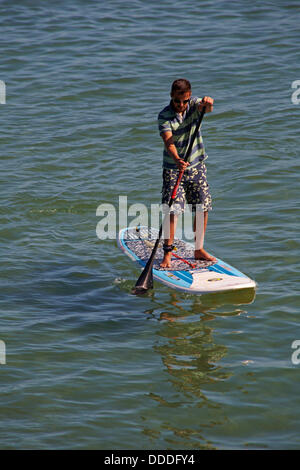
x=88, y=365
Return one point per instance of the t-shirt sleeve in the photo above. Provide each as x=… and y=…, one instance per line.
x=196, y=102
x=163, y=124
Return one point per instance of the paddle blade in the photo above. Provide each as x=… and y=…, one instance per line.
x=145, y=281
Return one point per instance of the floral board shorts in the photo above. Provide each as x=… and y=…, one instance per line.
x=193, y=189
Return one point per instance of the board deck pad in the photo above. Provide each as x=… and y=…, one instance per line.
x=186, y=274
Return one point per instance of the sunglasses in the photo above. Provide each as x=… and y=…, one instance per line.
x=181, y=101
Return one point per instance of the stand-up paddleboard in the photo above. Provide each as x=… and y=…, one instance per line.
x=186, y=273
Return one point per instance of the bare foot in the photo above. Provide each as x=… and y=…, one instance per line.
x=166, y=262
x=202, y=254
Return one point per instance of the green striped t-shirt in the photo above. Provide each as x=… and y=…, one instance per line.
x=182, y=128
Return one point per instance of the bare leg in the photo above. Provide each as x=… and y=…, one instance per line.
x=200, y=224
x=170, y=230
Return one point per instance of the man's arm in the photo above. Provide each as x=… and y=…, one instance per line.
x=167, y=137
x=208, y=102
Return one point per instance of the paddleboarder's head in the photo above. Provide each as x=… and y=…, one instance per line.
x=181, y=93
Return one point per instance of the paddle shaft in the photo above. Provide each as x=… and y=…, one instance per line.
x=145, y=281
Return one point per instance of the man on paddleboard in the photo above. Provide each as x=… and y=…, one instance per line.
x=176, y=123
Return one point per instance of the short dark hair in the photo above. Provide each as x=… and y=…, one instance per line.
x=181, y=85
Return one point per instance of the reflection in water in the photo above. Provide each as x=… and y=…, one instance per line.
x=191, y=356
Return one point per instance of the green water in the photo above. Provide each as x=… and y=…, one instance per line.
x=88, y=365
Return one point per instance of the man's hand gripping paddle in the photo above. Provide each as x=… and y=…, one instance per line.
x=145, y=281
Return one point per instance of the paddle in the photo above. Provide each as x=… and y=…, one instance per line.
x=145, y=281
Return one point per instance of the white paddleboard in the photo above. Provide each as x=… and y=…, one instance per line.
x=186, y=273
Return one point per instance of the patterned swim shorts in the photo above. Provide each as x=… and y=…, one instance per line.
x=193, y=189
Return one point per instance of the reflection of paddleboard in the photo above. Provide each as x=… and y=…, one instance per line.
x=186, y=274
